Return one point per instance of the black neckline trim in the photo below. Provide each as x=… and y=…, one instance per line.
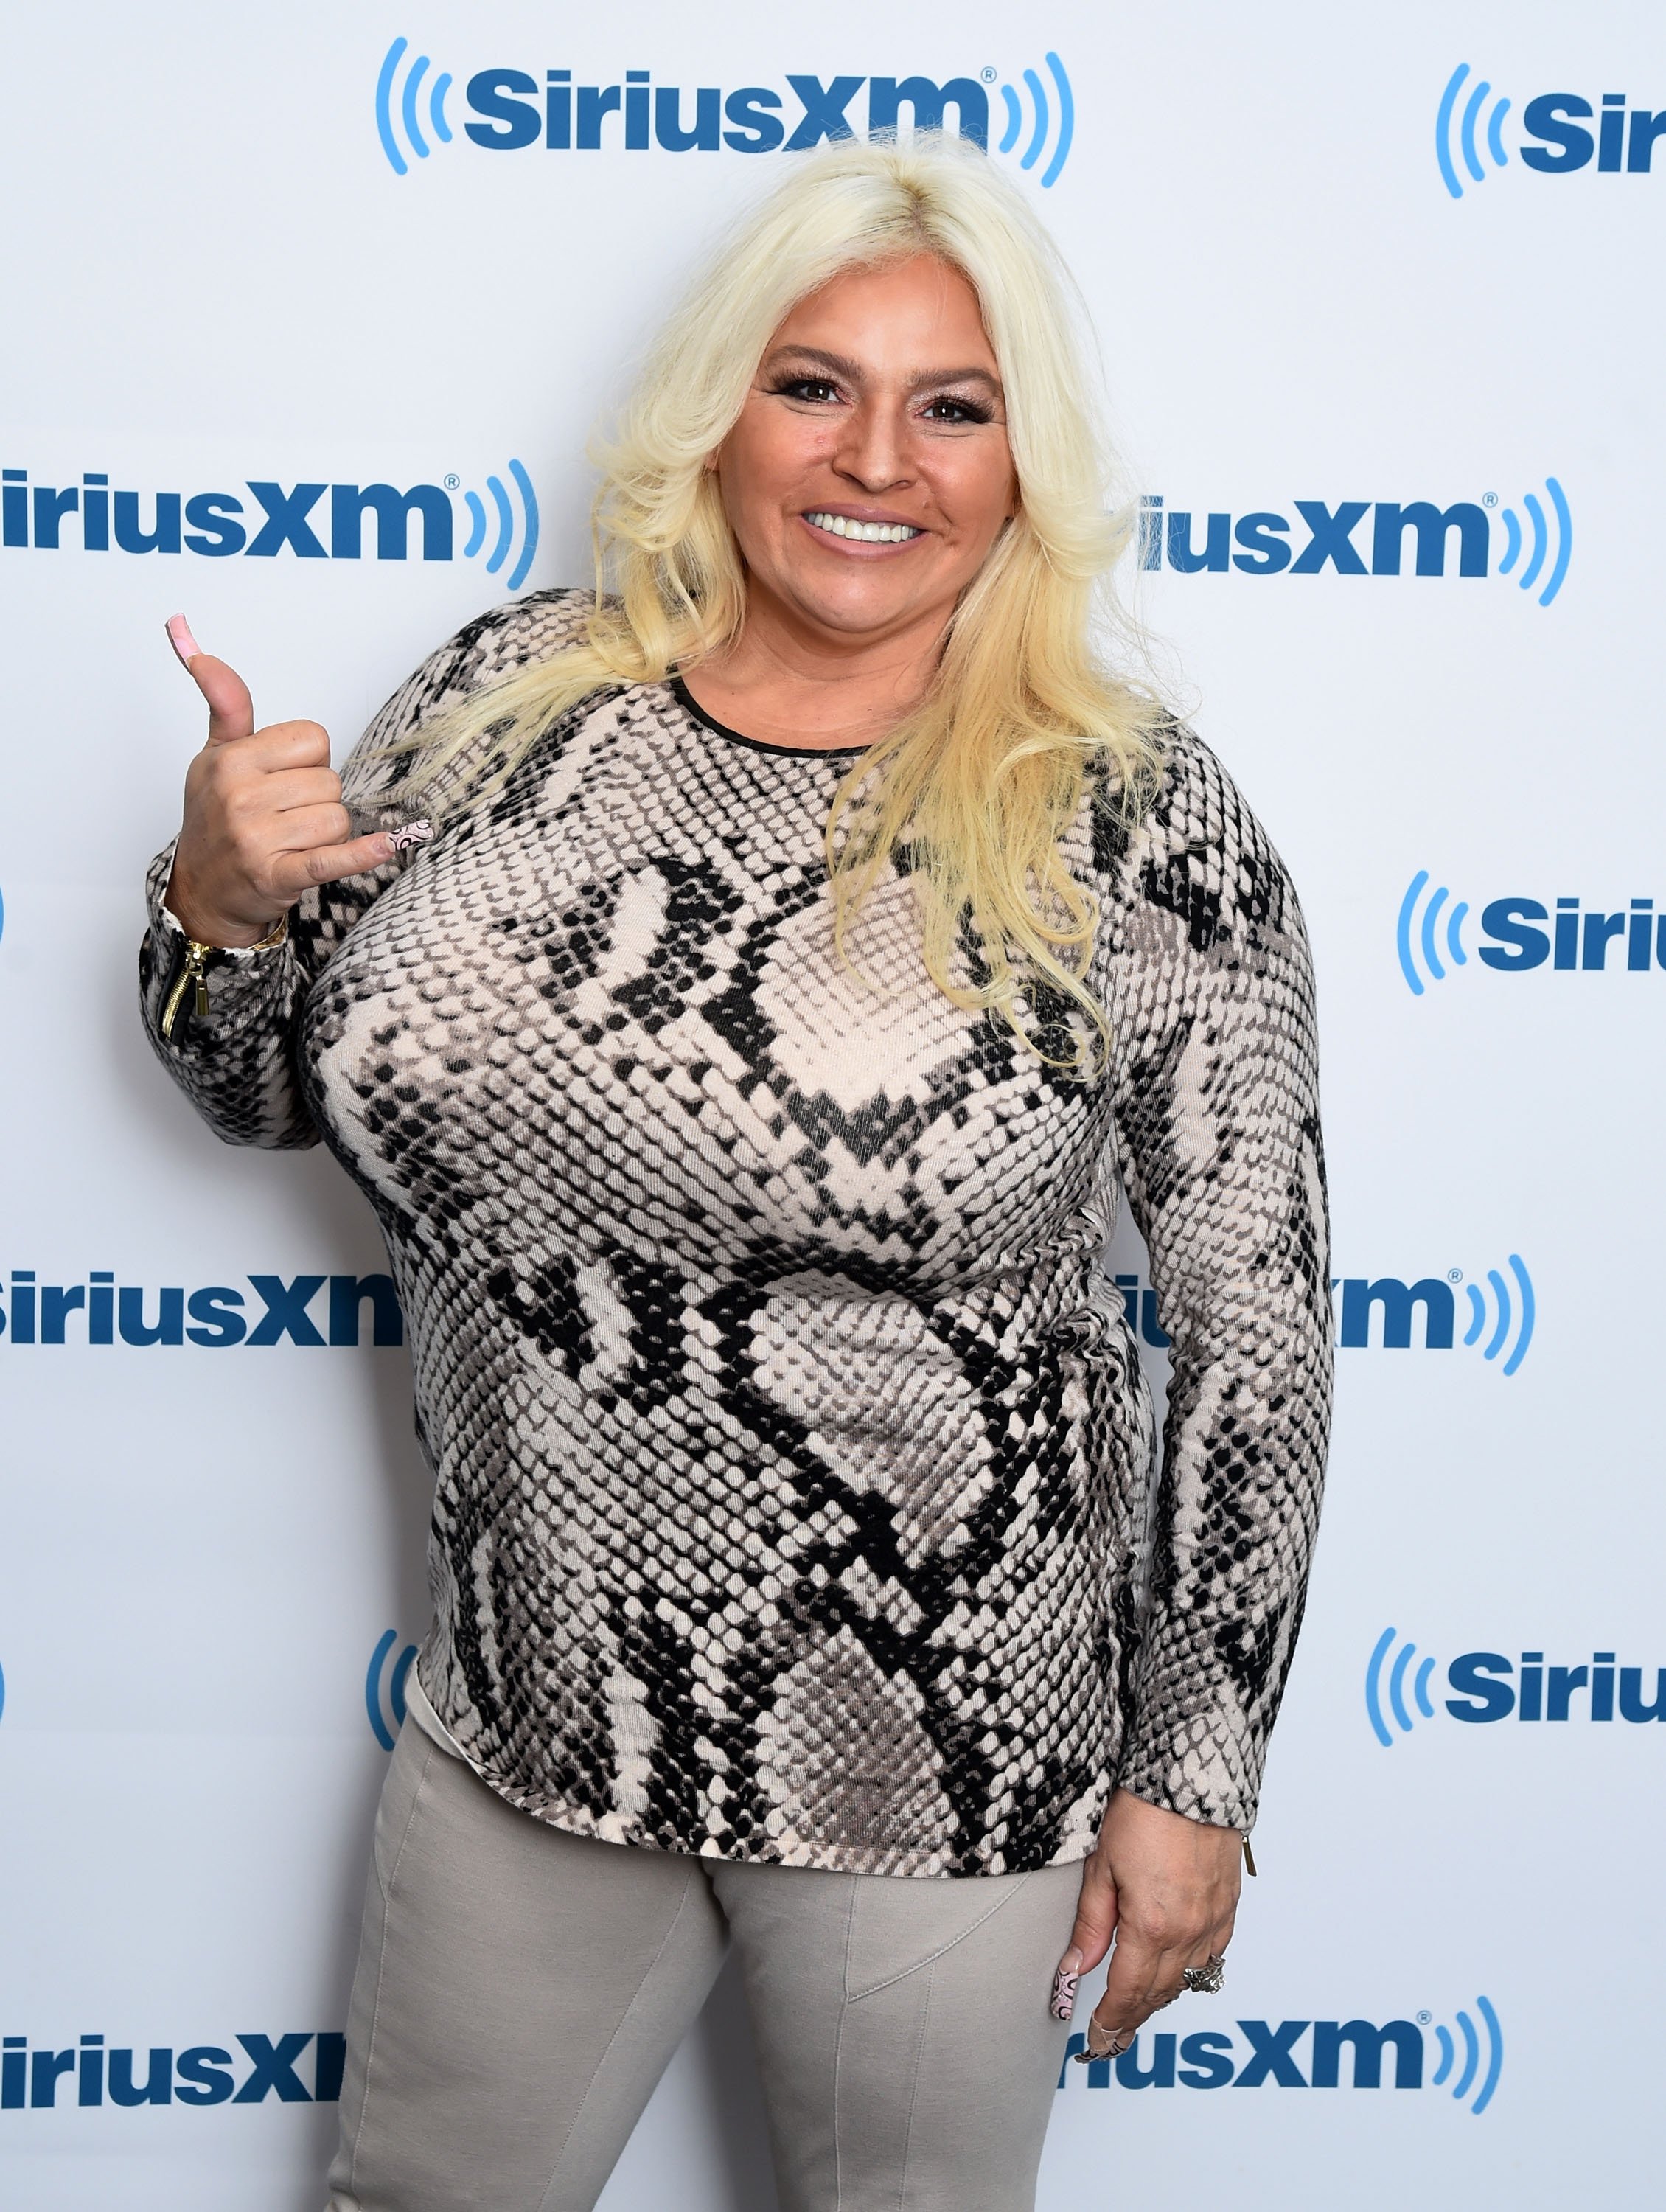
x=687, y=701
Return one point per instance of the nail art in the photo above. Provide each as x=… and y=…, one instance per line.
x=1114, y=2048
x=411, y=833
x=1065, y=1986
x=180, y=637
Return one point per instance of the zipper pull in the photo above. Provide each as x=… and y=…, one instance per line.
x=1249, y=1856
x=191, y=973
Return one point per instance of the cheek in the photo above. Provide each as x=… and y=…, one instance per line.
x=766, y=461
x=978, y=490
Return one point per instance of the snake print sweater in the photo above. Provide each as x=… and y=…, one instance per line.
x=795, y=1492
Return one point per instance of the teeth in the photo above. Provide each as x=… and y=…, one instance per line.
x=870, y=533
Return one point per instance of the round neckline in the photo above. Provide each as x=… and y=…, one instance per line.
x=687, y=701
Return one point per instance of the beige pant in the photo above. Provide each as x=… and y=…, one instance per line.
x=520, y=1992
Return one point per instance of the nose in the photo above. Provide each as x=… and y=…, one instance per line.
x=872, y=453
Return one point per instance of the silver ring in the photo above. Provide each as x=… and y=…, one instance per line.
x=1205, y=1981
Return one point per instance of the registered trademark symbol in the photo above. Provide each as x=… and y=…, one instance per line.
x=987, y=75
x=452, y=483
x=1424, y=2018
x=1489, y=499
x=1454, y=1274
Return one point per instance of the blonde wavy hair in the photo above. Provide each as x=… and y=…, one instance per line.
x=977, y=784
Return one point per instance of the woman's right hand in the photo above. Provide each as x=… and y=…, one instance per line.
x=263, y=818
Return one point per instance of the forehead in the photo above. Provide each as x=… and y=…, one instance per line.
x=916, y=313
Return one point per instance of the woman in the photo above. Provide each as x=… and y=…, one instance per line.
x=813, y=935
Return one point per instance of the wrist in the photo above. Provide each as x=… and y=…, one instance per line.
x=204, y=927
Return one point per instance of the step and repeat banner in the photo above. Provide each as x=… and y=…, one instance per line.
x=309, y=312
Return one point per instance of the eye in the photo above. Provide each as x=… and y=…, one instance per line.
x=814, y=389
x=948, y=407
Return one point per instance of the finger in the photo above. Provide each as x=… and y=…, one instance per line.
x=288, y=745
x=288, y=788
x=292, y=873
x=1142, y=1980
x=1090, y=1936
x=310, y=829
x=231, y=710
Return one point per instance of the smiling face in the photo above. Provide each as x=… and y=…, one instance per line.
x=868, y=474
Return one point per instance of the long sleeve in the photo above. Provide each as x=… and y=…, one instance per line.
x=1211, y=996
x=237, y=1063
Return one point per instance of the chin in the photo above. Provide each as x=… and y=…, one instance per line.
x=854, y=612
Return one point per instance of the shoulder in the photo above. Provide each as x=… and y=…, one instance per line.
x=493, y=646
x=1197, y=851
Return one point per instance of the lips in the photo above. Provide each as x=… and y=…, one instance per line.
x=862, y=533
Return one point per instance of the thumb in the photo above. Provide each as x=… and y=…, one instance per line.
x=1090, y=1937
x=231, y=710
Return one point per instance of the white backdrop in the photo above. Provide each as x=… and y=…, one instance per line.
x=1324, y=271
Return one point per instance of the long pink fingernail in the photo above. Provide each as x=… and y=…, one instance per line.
x=1064, y=1984
x=180, y=637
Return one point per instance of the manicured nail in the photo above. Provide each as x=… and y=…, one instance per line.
x=1064, y=1984
x=409, y=834
x=1105, y=2042
x=180, y=637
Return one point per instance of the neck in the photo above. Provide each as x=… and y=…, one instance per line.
x=785, y=681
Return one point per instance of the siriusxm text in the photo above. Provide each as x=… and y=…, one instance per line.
x=313, y=521
x=1491, y=1687
x=1287, y=2054
x=1523, y=932
x=1417, y=537
x=313, y=1310
x=302, y=2069
x=1624, y=138
x=516, y=108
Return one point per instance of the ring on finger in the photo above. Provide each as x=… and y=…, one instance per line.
x=1115, y=2049
x=1206, y=1980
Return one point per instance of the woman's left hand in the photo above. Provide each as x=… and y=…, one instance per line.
x=1166, y=1888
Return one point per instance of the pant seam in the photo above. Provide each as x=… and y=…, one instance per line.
x=839, y=2044
x=693, y=1875
x=386, y=1889
x=914, y=2088
x=855, y=1996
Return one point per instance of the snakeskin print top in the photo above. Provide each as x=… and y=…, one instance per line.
x=793, y=1462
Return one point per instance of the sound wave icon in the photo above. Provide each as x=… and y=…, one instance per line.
x=506, y=515
x=1041, y=121
x=1466, y=131
x=1425, y=935
x=1471, y=2063
x=1542, y=536
x=1402, y=1714
x=384, y=1688
x=407, y=113
x=1495, y=1321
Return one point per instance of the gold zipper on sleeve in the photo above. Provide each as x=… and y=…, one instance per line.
x=191, y=973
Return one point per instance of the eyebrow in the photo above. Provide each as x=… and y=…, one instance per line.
x=842, y=365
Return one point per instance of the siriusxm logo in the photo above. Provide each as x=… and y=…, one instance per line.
x=99, y=2073
x=1501, y=1324
x=102, y=1311
x=1266, y=545
x=384, y=1687
x=515, y=108
x=1519, y=933
x=1263, y=2056
x=503, y=524
x=1489, y=1686
x=1139, y=1303
x=1555, y=124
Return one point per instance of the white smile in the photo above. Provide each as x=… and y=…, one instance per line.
x=870, y=533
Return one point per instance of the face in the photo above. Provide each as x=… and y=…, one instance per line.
x=868, y=474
